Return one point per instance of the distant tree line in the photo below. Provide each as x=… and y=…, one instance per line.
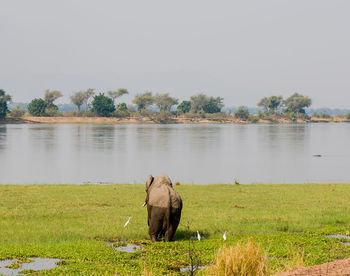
x=160, y=107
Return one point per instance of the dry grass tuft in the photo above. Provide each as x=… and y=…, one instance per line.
x=244, y=259
x=146, y=272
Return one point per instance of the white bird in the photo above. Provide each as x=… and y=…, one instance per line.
x=224, y=236
x=126, y=223
x=198, y=236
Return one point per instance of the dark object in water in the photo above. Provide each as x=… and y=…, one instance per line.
x=317, y=155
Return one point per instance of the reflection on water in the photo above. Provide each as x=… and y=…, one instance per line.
x=188, y=153
x=3, y=130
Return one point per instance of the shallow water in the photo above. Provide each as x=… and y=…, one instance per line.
x=189, y=268
x=338, y=236
x=202, y=154
x=128, y=248
x=37, y=264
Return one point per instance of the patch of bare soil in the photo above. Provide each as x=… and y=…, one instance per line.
x=341, y=267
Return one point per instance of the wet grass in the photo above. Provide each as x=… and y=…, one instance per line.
x=74, y=223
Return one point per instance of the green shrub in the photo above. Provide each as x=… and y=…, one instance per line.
x=17, y=112
x=37, y=107
x=102, y=105
x=52, y=112
x=242, y=113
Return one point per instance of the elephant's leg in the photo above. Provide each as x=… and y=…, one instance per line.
x=173, y=224
x=156, y=222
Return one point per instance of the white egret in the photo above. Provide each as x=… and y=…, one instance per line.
x=224, y=236
x=198, y=236
x=126, y=223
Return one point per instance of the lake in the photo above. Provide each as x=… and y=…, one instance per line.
x=201, y=154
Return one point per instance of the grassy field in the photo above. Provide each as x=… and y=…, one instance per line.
x=75, y=222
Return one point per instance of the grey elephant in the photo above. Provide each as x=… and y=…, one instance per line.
x=164, y=207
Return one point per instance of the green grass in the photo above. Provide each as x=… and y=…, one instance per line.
x=74, y=222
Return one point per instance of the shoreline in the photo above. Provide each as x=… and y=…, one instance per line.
x=146, y=120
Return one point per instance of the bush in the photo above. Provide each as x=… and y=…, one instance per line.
x=52, y=112
x=17, y=112
x=37, y=107
x=242, y=113
x=347, y=116
x=122, y=107
x=242, y=259
x=184, y=107
x=102, y=105
x=120, y=114
x=3, y=108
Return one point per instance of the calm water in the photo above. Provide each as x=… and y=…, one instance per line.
x=188, y=153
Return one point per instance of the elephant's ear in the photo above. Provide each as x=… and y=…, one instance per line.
x=149, y=182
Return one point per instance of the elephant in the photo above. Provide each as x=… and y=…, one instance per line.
x=164, y=207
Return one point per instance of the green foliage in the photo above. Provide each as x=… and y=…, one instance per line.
x=4, y=98
x=37, y=107
x=102, y=105
x=202, y=102
x=164, y=101
x=143, y=100
x=3, y=108
x=122, y=111
x=184, y=107
x=347, y=116
x=297, y=104
x=122, y=107
x=213, y=105
x=17, y=112
x=242, y=113
x=271, y=104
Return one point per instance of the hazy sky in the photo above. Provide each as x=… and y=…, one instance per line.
x=240, y=50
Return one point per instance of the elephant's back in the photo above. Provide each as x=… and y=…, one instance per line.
x=159, y=197
x=175, y=199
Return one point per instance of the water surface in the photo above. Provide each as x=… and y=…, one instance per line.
x=202, y=154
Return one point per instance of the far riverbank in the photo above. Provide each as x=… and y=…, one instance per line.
x=146, y=120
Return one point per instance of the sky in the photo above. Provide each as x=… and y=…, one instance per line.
x=239, y=50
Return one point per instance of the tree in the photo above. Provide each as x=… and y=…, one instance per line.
x=164, y=101
x=202, y=102
x=271, y=104
x=143, y=100
x=4, y=98
x=297, y=104
x=184, y=107
x=37, y=107
x=78, y=99
x=116, y=94
x=242, y=113
x=122, y=107
x=87, y=95
x=51, y=96
x=214, y=105
x=198, y=102
x=102, y=105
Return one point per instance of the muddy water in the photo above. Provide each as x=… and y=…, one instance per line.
x=202, y=154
